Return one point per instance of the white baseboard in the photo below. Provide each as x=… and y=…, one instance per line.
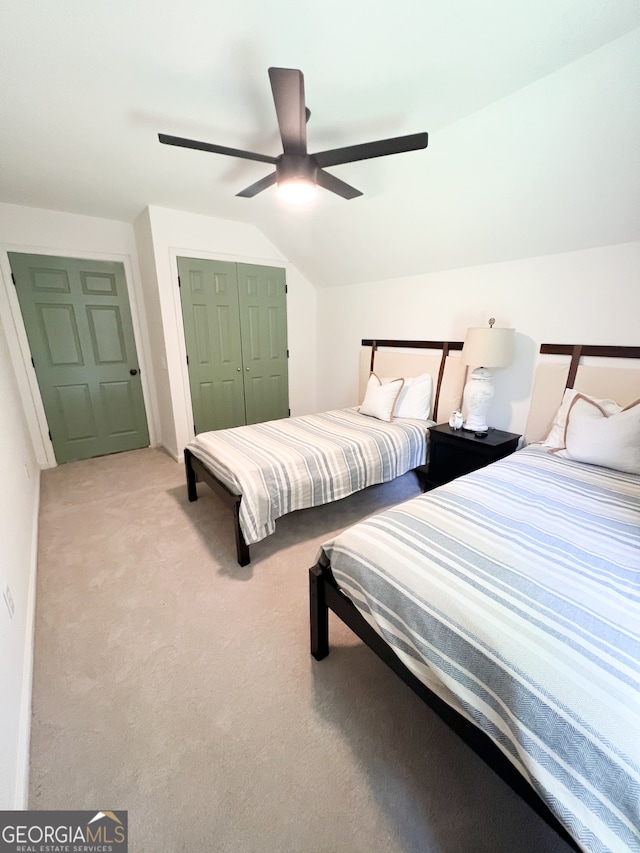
x=21, y=795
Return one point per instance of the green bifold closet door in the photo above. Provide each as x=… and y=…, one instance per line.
x=78, y=324
x=235, y=325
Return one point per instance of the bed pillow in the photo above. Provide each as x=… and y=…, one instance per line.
x=598, y=438
x=415, y=398
x=380, y=400
x=555, y=439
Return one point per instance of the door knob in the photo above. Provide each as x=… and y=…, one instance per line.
x=133, y=371
x=238, y=369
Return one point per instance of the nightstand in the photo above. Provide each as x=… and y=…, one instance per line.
x=454, y=452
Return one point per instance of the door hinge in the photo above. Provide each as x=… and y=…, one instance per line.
x=195, y=432
x=287, y=353
x=289, y=412
x=33, y=364
x=179, y=282
x=50, y=436
x=187, y=361
x=286, y=288
x=13, y=279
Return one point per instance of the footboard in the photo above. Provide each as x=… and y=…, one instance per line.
x=325, y=595
x=195, y=470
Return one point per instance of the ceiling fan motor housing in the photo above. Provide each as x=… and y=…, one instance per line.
x=296, y=167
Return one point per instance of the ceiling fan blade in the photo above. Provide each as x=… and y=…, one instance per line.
x=260, y=185
x=287, y=85
x=214, y=149
x=367, y=150
x=330, y=182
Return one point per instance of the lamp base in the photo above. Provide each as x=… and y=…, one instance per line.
x=478, y=393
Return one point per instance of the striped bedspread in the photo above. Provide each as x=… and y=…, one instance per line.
x=514, y=594
x=296, y=463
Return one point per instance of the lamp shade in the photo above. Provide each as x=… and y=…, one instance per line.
x=488, y=347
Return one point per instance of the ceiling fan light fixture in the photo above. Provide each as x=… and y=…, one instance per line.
x=297, y=190
x=296, y=175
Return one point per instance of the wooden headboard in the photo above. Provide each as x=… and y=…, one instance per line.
x=411, y=358
x=607, y=372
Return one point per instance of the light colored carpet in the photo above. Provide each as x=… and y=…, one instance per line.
x=173, y=683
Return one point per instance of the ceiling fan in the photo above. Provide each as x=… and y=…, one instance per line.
x=297, y=172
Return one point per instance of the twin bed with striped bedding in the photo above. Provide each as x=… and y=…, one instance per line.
x=509, y=601
x=514, y=595
x=269, y=469
x=295, y=463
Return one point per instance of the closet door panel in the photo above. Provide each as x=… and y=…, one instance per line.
x=263, y=321
x=209, y=296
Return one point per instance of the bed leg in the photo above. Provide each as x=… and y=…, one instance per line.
x=192, y=492
x=242, y=549
x=319, y=614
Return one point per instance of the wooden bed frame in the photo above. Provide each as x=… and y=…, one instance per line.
x=325, y=595
x=196, y=470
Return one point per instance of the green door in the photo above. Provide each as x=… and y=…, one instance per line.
x=78, y=323
x=235, y=328
x=263, y=321
x=209, y=296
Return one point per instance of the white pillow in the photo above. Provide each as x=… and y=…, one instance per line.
x=595, y=437
x=380, y=400
x=415, y=398
x=555, y=438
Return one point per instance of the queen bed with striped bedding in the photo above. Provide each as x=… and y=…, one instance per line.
x=512, y=596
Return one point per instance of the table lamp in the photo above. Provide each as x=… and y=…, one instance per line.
x=483, y=348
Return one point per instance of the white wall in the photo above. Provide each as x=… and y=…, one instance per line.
x=588, y=297
x=19, y=494
x=25, y=229
x=164, y=235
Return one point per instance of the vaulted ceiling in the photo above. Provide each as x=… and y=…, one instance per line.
x=531, y=107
